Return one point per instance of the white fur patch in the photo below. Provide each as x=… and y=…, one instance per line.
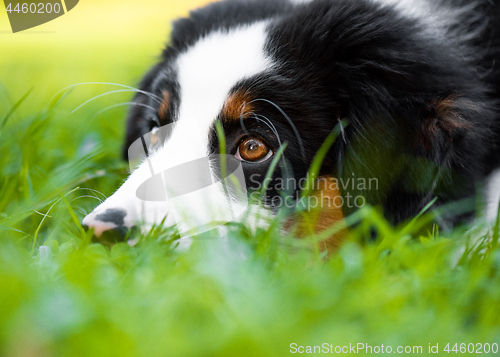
x=206, y=73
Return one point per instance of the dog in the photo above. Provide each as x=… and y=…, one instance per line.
x=397, y=100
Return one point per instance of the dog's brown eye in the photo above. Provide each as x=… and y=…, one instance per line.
x=253, y=150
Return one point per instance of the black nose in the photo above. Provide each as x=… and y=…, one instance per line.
x=112, y=215
x=109, y=225
x=110, y=236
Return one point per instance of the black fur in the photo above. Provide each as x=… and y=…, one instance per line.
x=421, y=105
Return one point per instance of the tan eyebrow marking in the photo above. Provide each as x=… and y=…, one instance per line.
x=165, y=104
x=238, y=105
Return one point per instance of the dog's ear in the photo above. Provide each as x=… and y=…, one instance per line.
x=446, y=125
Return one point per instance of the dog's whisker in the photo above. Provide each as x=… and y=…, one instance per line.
x=243, y=125
x=92, y=190
x=86, y=196
x=268, y=122
x=342, y=130
x=81, y=211
x=122, y=104
x=149, y=94
x=294, y=128
x=102, y=95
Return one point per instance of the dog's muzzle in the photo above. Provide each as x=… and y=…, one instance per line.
x=108, y=226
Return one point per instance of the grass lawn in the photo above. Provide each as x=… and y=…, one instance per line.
x=261, y=293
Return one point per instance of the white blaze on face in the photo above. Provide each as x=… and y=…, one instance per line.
x=206, y=73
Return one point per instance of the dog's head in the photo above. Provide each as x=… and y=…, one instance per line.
x=244, y=78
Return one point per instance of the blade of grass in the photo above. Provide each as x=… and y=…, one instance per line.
x=409, y=227
x=13, y=109
x=72, y=212
x=313, y=172
x=43, y=220
x=271, y=169
x=496, y=229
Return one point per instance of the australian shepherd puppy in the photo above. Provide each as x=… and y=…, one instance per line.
x=389, y=103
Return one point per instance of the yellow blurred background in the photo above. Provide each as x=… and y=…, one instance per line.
x=108, y=41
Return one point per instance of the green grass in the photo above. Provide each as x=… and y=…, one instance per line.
x=250, y=294
x=253, y=294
